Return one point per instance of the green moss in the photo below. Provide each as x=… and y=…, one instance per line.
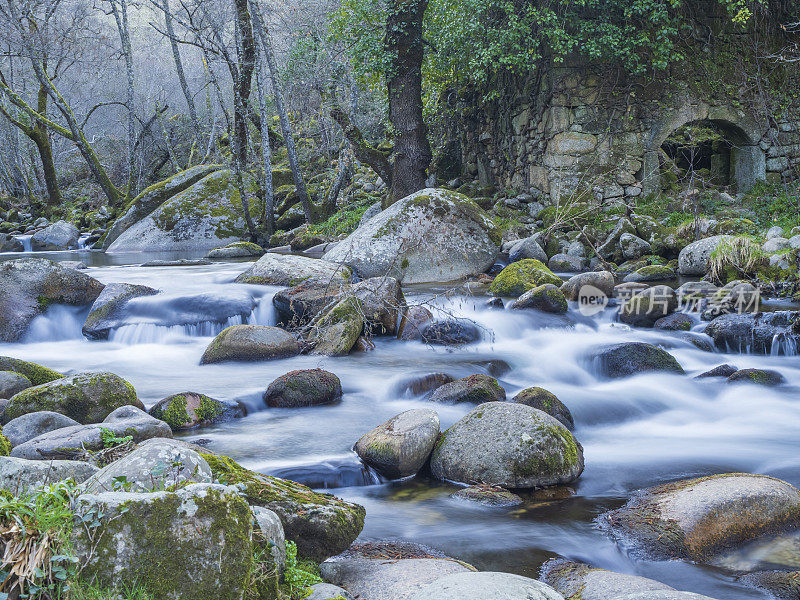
x=5, y=444
x=36, y=374
x=519, y=277
x=174, y=413
x=209, y=409
x=559, y=458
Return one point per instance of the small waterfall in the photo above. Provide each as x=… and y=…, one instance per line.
x=152, y=333
x=59, y=322
x=264, y=312
x=784, y=344
x=26, y=242
x=82, y=242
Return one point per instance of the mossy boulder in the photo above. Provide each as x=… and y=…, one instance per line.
x=321, y=525
x=250, y=342
x=188, y=410
x=652, y=273
x=236, y=250
x=697, y=518
x=400, y=446
x=579, y=581
x=290, y=270
x=508, y=444
x=475, y=388
x=602, y=280
x=431, y=235
x=766, y=377
x=12, y=383
x=678, y=321
x=337, y=331
x=547, y=298
x=521, y=276
x=632, y=358
x=85, y=397
x=382, y=302
x=108, y=310
x=194, y=543
x=644, y=308
x=541, y=399
x=308, y=387
x=299, y=305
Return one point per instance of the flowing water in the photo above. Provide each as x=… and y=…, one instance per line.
x=636, y=432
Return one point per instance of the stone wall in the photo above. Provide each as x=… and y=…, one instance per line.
x=571, y=129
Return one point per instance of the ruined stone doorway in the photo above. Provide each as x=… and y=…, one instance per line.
x=698, y=153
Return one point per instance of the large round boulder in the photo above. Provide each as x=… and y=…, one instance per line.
x=519, y=277
x=400, y=446
x=697, y=518
x=527, y=248
x=58, y=236
x=547, y=298
x=431, y=235
x=85, y=397
x=631, y=358
x=475, y=388
x=308, y=387
x=188, y=410
x=29, y=285
x=506, y=444
x=250, y=342
x=644, y=308
x=291, y=270
x=31, y=425
x=694, y=258
x=602, y=280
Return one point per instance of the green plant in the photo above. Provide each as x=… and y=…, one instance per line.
x=343, y=221
x=736, y=257
x=299, y=574
x=111, y=439
x=775, y=204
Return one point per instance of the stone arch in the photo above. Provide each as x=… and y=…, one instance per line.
x=748, y=161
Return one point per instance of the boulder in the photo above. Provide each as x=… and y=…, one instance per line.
x=431, y=235
x=308, y=387
x=413, y=321
x=29, y=285
x=450, y=332
x=338, y=330
x=757, y=333
x=719, y=371
x=566, y=263
x=326, y=591
x=191, y=544
x=547, y=298
x=268, y=535
x=8, y=243
x=662, y=595
x=675, y=322
x=155, y=195
x=776, y=244
x=382, y=302
x=371, y=211
x=36, y=374
x=299, y=305
x=486, y=585
x=78, y=441
x=644, y=308
x=188, y=410
x=519, y=277
x=633, y=247
x=487, y=495
x=794, y=242
x=400, y=446
x=19, y=476
x=765, y=377
x=58, y=236
x=694, y=258
x=85, y=397
x=206, y=215
x=783, y=585
x=236, y=250
x=527, y=248
x=291, y=270
x=602, y=280
x=579, y=580
x=321, y=525
x=108, y=310
x=506, y=444
x=541, y=399
x=774, y=232
x=632, y=358
x=155, y=464
x=475, y=388
x=416, y=385
x=697, y=518
x=31, y=425
x=12, y=383
x=651, y=273
x=249, y=343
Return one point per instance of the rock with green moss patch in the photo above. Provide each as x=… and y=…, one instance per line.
x=155, y=464
x=632, y=358
x=697, y=518
x=321, y=525
x=766, y=377
x=644, y=308
x=250, y=342
x=80, y=441
x=338, y=330
x=541, y=399
x=85, y=397
x=204, y=216
x=431, y=235
x=107, y=311
x=547, y=298
x=290, y=270
x=475, y=388
x=488, y=495
x=29, y=285
x=508, y=444
x=519, y=277
x=12, y=383
x=579, y=581
x=400, y=446
x=307, y=387
x=188, y=410
x=20, y=476
x=237, y=250
x=694, y=258
x=382, y=302
x=194, y=543
x=326, y=591
x=652, y=273
x=299, y=305
x=155, y=195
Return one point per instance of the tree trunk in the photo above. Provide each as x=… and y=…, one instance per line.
x=268, y=215
x=176, y=57
x=411, y=147
x=246, y=55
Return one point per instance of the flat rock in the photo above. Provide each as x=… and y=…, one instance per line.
x=250, y=342
x=20, y=476
x=486, y=585
x=577, y=580
x=291, y=270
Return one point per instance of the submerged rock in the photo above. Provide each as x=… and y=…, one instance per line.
x=486, y=585
x=85, y=397
x=450, y=332
x=31, y=425
x=696, y=518
x=511, y=445
x=475, y=388
x=541, y=399
x=487, y=495
x=194, y=543
x=519, y=277
x=321, y=525
x=108, y=310
x=19, y=476
x=291, y=270
x=249, y=343
x=431, y=235
x=400, y=446
x=29, y=285
x=188, y=410
x=417, y=385
x=578, y=581
x=765, y=377
x=757, y=333
x=308, y=387
x=725, y=370
x=632, y=358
